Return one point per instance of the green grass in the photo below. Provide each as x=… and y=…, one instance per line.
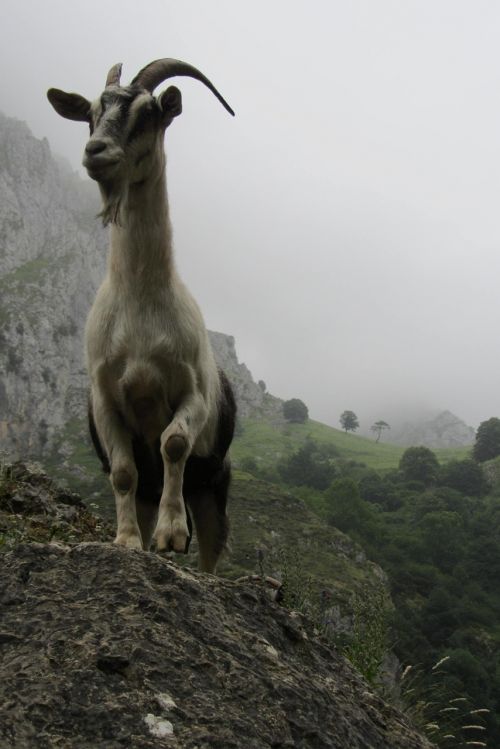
x=267, y=443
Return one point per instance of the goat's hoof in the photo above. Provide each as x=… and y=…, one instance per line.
x=175, y=447
x=172, y=537
x=129, y=541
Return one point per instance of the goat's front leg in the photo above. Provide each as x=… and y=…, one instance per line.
x=117, y=443
x=176, y=444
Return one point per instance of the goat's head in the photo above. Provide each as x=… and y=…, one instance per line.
x=127, y=124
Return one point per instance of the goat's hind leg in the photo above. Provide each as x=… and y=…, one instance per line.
x=208, y=508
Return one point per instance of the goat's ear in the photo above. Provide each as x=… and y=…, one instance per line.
x=70, y=106
x=170, y=102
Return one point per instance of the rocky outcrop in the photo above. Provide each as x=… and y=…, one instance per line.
x=103, y=646
x=34, y=508
x=252, y=398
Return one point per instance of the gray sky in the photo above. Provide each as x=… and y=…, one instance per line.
x=344, y=227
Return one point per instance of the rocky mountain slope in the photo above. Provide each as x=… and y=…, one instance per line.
x=51, y=254
x=252, y=398
x=52, y=258
x=102, y=646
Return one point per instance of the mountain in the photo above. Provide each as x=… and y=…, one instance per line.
x=445, y=430
x=53, y=255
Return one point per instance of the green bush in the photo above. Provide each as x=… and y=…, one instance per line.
x=419, y=464
x=466, y=476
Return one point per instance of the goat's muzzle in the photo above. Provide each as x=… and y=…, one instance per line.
x=101, y=158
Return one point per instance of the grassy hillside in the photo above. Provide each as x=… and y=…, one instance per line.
x=75, y=462
x=266, y=444
x=269, y=523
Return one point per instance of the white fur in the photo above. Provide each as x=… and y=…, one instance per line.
x=150, y=363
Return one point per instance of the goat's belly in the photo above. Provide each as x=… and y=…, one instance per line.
x=144, y=401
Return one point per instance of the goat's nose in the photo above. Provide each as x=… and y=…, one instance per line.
x=94, y=147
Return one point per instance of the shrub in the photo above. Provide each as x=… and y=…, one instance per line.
x=487, y=445
x=465, y=476
x=296, y=411
x=419, y=464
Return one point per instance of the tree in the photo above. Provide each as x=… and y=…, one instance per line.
x=487, y=443
x=378, y=428
x=295, y=411
x=349, y=421
x=419, y=464
x=309, y=466
x=466, y=476
x=443, y=537
x=346, y=510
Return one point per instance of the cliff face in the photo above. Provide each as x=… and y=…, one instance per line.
x=52, y=258
x=52, y=254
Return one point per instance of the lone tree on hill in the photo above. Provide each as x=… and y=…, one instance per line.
x=487, y=444
x=349, y=421
x=378, y=428
x=295, y=411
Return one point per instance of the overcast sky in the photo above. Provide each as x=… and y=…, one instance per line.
x=344, y=226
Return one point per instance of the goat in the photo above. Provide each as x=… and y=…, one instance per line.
x=161, y=414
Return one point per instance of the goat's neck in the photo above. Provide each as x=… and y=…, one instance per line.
x=141, y=257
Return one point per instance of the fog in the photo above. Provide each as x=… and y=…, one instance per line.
x=344, y=226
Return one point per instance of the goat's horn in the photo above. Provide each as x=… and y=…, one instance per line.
x=114, y=74
x=158, y=71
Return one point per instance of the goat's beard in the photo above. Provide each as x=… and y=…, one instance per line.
x=112, y=194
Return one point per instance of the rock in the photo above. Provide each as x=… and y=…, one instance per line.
x=34, y=508
x=251, y=397
x=52, y=253
x=104, y=646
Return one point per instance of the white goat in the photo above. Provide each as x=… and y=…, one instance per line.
x=161, y=415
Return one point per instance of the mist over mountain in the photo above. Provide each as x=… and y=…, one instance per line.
x=421, y=426
x=53, y=256
x=441, y=430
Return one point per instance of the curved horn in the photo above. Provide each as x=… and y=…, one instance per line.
x=114, y=74
x=158, y=71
